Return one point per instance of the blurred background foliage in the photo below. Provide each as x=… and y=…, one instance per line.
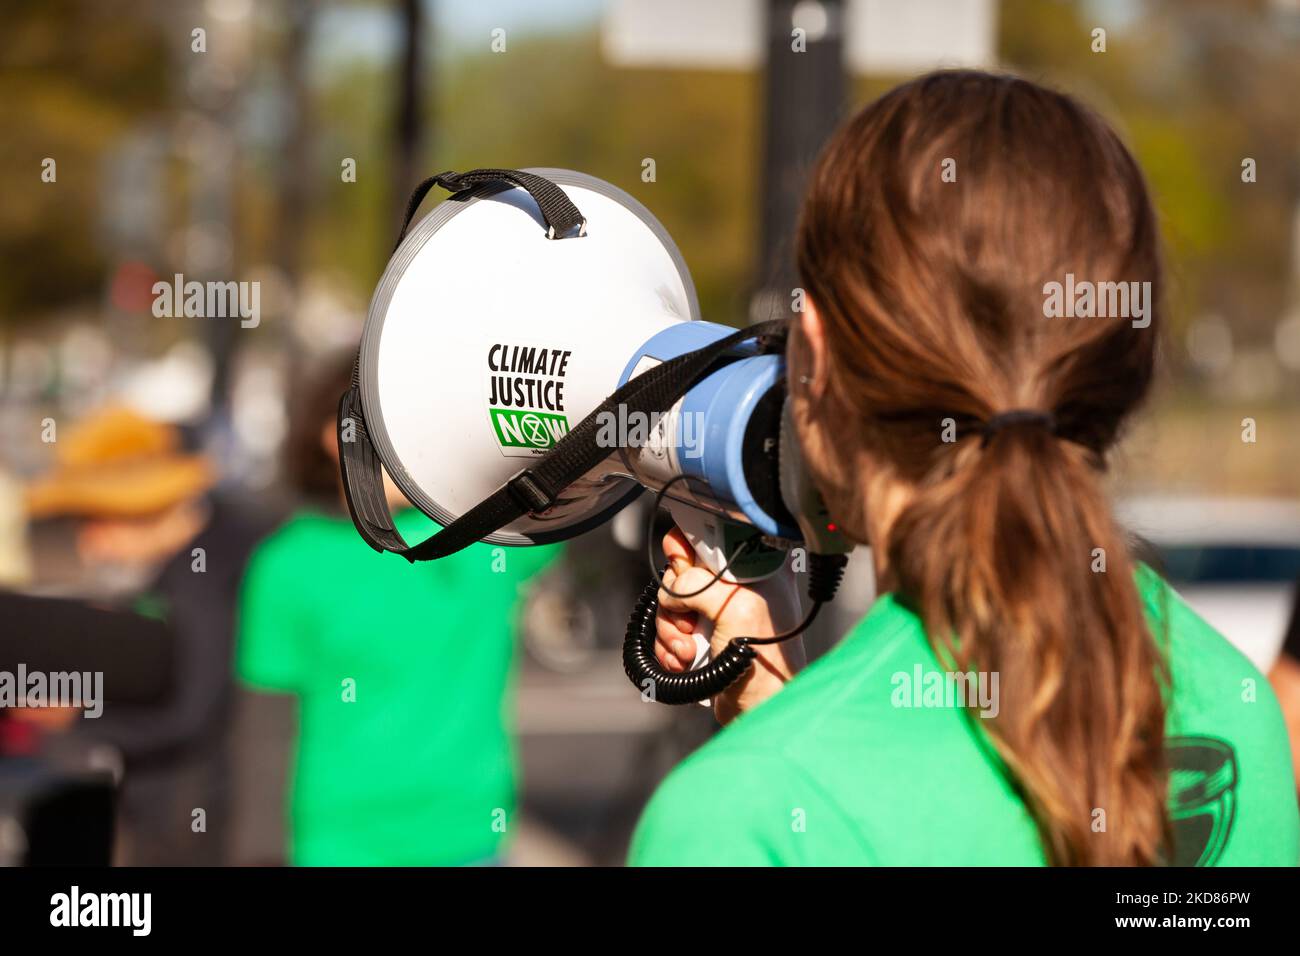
x=289, y=90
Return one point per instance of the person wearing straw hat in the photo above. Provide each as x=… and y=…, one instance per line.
x=152, y=535
x=136, y=495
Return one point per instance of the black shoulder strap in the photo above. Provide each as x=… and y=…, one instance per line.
x=532, y=490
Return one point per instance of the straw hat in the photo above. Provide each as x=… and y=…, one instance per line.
x=118, y=464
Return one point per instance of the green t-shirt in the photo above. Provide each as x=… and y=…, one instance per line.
x=838, y=769
x=402, y=673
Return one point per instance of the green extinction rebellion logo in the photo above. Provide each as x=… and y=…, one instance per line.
x=526, y=397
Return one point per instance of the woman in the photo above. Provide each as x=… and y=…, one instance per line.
x=1105, y=722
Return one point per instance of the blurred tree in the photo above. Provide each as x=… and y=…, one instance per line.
x=1195, y=86
x=74, y=76
x=552, y=101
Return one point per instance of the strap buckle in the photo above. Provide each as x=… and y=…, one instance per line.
x=528, y=492
x=582, y=230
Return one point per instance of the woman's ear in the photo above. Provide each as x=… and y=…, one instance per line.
x=807, y=353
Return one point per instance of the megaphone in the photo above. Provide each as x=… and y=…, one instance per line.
x=533, y=359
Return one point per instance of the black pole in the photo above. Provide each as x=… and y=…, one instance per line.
x=407, y=131
x=295, y=155
x=804, y=96
x=803, y=102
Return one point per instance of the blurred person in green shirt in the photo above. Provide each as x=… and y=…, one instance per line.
x=402, y=672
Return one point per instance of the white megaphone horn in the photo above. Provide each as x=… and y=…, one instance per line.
x=533, y=358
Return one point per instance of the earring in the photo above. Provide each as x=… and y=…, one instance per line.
x=805, y=380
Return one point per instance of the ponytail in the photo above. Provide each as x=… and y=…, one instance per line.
x=1017, y=568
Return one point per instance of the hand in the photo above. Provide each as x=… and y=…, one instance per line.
x=763, y=609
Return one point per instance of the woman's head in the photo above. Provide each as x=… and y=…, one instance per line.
x=936, y=224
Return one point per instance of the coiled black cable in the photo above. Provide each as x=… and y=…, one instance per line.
x=650, y=677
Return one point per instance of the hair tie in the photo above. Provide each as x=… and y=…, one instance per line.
x=1017, y=416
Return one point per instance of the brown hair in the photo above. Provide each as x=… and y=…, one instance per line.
x=931, y=294
x=309, y=470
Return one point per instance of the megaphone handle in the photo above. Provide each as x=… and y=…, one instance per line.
x=705, y=534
